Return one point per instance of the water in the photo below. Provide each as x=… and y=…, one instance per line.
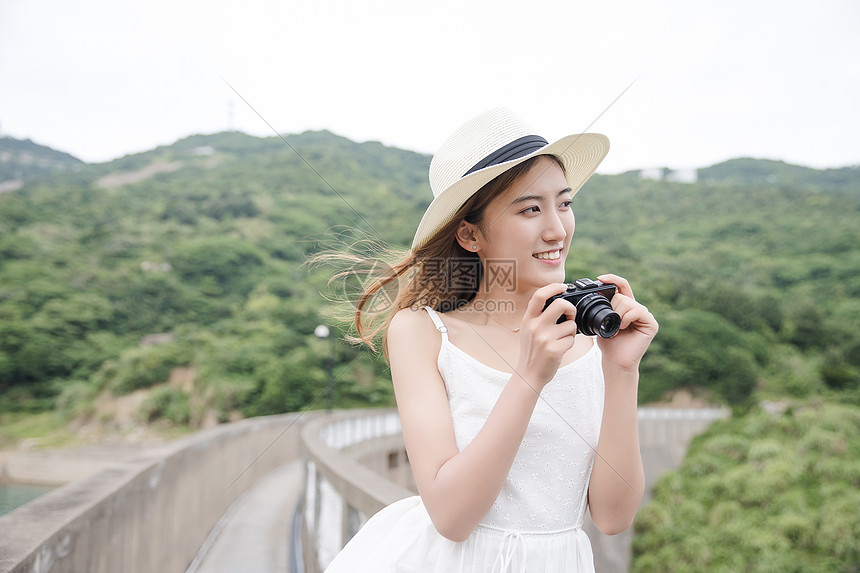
x=14, y=495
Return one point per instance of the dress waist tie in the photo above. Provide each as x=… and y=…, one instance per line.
x=510, y=542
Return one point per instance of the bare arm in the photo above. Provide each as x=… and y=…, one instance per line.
x=618, y=480
x=459, y=488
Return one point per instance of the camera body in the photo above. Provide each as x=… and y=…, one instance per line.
x=594, y=314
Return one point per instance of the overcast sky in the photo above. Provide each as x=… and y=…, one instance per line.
x=711, y=80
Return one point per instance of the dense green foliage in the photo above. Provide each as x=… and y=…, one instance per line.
x=212, y=251
x=754, y=273
x=766, y=492
x=755, y=286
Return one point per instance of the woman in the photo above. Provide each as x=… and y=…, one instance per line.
x=513, y=422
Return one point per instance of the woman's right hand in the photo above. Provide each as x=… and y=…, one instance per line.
x=543, y=343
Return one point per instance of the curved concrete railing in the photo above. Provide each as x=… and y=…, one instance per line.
x=353, y=459
x=151, y=513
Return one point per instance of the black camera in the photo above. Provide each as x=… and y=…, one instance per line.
x=594, y=314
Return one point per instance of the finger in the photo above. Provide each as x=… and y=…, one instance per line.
x=620, y=301
x=642, y=319
x=558, y=308
x=539, y=298
x=563, y=344
x=623, y=305
x=633, y=313
x=620, y=282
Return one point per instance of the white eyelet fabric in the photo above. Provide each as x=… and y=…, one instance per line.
x=535, y=525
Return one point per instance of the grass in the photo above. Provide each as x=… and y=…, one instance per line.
x=50, y=430
x=47, y=429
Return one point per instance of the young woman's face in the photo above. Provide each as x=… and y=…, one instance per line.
x=532, y=224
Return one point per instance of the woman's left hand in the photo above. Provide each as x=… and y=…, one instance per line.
x=638, y=327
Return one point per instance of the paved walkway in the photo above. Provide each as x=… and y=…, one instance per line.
x=254, y=533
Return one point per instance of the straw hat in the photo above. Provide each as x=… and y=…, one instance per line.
x=486, y=147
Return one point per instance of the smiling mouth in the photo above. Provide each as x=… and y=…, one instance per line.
x=548, y=256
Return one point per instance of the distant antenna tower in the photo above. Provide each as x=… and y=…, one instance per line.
x=230, y=116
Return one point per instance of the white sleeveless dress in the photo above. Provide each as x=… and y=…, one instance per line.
x=535, y=525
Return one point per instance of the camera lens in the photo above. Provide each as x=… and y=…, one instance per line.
x=610, y=322
x=594, y=315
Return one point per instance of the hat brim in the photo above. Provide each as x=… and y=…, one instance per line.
x=580, y=154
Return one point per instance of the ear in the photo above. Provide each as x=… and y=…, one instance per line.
x=467, y=236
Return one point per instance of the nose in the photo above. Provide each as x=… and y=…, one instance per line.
x=555, y=229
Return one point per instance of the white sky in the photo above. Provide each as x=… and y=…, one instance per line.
x=713, y=80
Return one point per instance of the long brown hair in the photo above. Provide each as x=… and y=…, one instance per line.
x=419, y=277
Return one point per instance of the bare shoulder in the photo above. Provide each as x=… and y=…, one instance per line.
x=413, y=352
x=409, y=319
x=411, y=334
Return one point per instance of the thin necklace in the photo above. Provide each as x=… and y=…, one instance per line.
x=502, y=323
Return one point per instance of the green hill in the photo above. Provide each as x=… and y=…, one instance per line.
x=205, y=239
x=756, y=283
x=762, y=279
x=22, y=160
x=747, y=171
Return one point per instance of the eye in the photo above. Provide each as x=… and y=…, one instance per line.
x=565, y=204
x=532, y=209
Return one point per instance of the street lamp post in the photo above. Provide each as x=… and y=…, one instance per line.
x=323, y=332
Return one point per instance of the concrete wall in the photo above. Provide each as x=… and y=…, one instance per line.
x=149, y=514
x=152, y=513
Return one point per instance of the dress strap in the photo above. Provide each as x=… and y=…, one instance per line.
x=440, y=326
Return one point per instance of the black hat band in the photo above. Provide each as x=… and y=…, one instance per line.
x=513, y=150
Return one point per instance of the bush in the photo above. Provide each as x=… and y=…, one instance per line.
x=685, y=354
x=762, y=492
x=143, y=367
x=76, y=399
x=220, y=265
x=228, y=395
x=168, y=403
